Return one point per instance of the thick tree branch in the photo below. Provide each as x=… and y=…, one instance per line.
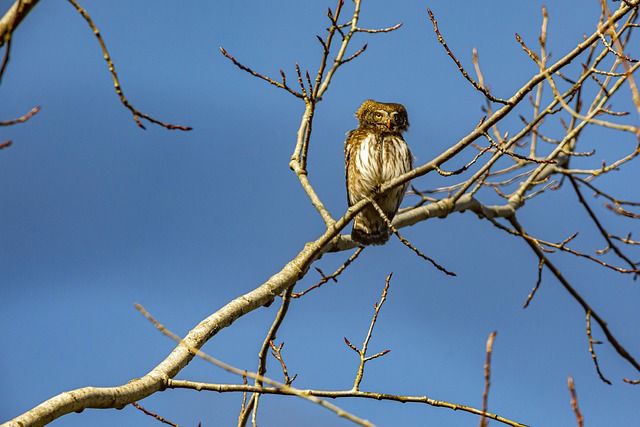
x=13, y=17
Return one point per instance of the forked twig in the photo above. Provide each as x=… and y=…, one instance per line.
x=332, y=276
x=242, y=373
x=277, y=353
x=362, y=352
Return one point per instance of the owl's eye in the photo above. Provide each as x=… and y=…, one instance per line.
x=377, y=116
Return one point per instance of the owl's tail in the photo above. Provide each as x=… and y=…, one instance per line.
x=370, y=229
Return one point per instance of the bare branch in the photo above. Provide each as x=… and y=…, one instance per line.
x=484, y=91
x=576, y=296
x=243, y=374
x=597, y=223
x=362, y=352
x=282, y=85
x=225, y=388
x=137, y=115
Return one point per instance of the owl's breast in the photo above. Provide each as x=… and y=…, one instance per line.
x=368, y=162
x=396, y=158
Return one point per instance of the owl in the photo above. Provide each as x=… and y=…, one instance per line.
x=375, y=153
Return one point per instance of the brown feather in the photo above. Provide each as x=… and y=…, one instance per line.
x=375, y=153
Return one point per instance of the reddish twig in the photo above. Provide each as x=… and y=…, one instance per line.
x=574, y=402
x=277, y=353
x=22, y=119
x=154, y=415
x=618, y=210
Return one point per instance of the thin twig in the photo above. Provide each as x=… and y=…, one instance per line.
x=487, y=379
x=137, y=115
x=22, y=119
x=405, y=241
x=537, y=285
x=362, y=352
x=591, y=349
x=282, y=85
x=154, y=415
x=380, y=30
x=277, y=353
x=574, y=402
x=484, y=91
x=332, y=276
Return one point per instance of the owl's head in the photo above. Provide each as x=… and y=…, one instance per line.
x=383, y=116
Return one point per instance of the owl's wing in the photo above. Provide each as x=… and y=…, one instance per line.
x=348, y=158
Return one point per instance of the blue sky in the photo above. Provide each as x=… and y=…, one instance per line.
x=98, y=214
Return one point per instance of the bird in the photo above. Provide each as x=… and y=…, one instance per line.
x=376, y=153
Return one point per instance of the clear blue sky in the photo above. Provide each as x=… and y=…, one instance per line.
x=97, y=215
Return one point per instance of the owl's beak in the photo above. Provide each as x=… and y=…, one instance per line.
x=388, y=124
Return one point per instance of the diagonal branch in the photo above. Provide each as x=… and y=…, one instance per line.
x=603, y=232
x=576, y=296
x=466, y=75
